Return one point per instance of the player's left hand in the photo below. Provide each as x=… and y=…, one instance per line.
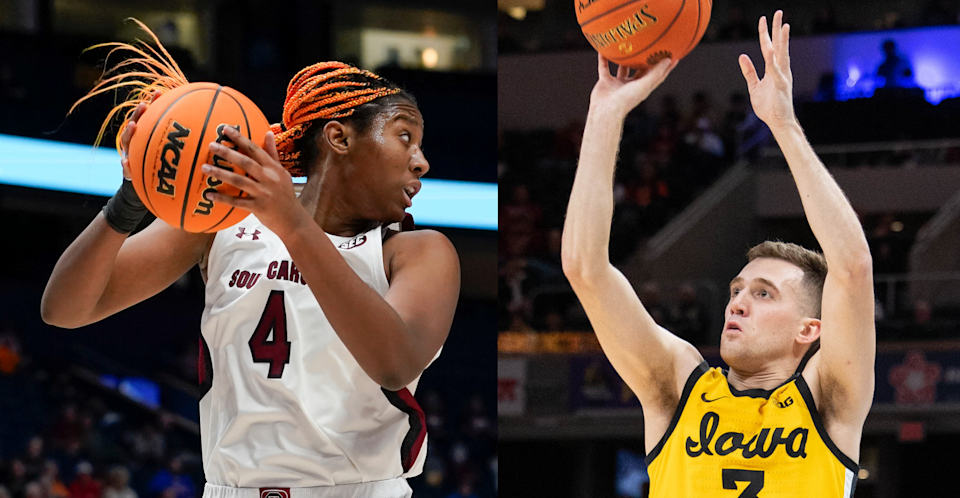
x=772, y=96
x=269, y=187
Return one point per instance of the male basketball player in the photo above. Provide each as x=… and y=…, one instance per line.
x=318, y=320
x=786, y=420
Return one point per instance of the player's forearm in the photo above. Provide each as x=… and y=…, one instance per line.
x=586, y=230
x=81, y=275
x=369, y=327
x=831, y=217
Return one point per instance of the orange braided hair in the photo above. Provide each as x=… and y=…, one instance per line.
x=323, y=91
x=158, y=72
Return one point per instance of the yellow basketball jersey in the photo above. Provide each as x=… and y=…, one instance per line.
x=725, y=443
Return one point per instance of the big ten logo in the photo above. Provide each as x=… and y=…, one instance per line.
x=785, y=403
x=243, y=279
x=170, y=159
x=205, y=204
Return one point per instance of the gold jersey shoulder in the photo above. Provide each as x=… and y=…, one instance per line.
x=724, y=443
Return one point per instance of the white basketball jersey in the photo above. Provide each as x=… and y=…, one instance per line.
x=287, y=405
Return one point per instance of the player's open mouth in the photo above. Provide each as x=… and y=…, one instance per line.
x=411, y=190
x=732, y=326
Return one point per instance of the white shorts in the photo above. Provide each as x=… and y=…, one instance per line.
x=391, y=488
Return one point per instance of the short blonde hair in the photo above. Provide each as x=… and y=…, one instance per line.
x=813, y=264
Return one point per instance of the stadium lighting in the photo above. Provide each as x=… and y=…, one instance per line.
x=65, y=167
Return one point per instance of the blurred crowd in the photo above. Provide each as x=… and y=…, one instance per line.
x=670, y=153
x=668, y=156
x=462, y=449
x=825, y=20
x=903, y=313
x=81, y=444
x=64, y=437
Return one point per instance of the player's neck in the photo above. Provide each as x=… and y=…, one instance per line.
x=766, y=378
x=332, y=212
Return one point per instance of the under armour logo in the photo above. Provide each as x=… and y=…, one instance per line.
x=244, y=232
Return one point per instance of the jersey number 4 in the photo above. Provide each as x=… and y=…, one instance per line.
x=276, y=351
x=754, y=478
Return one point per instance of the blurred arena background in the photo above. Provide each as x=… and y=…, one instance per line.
x=699, y=181
x=111, y=410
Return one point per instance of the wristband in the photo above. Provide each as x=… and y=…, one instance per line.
x=124, y=210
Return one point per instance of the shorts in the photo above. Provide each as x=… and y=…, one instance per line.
x=390, y=488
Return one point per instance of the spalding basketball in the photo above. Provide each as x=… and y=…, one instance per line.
x=640, y=33
x=170, y=145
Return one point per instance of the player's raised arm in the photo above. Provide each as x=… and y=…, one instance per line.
x=105, y=271
x=848, y=337
x=646, y=356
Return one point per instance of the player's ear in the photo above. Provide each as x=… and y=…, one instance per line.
x=338, y=136
x=810, y=332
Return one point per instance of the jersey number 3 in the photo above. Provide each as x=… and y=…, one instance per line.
x=276, y=351
x=754, y=478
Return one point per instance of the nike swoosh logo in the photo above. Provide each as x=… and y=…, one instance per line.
x=703, y=396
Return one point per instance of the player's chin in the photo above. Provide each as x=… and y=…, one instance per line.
x=394, y=214
x=728, y=353
x=729, y=347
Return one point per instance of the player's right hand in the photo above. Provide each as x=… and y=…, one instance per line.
x=128, y=133
x=621, y=93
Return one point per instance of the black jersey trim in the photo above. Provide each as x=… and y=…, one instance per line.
x=809, y=354
x=757, y=393
x=413, y=440
x=204, y=368
x=698, y=372
x=818, y=423
x=765, y=393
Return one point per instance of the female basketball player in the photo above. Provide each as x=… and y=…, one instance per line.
x=318, y=320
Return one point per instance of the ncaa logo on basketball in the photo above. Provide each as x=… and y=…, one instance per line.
x=274, y=492
x=170, y=158
x=354, y=242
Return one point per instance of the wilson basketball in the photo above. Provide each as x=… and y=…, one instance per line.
x=640, y=33
x=171, y=144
